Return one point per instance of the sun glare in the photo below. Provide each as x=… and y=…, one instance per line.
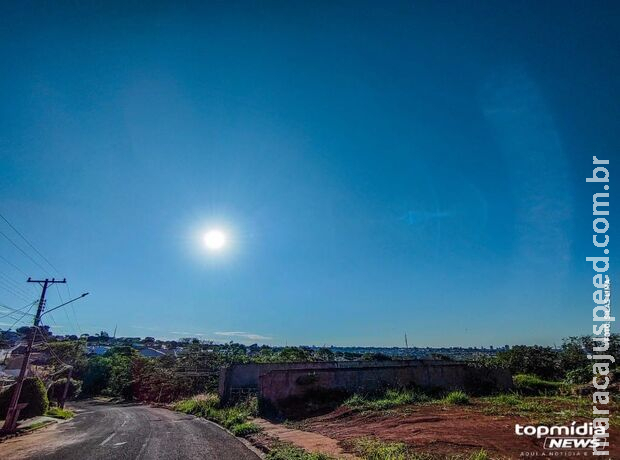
x=215, y=240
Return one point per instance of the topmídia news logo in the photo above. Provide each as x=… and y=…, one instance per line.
x=572, y=437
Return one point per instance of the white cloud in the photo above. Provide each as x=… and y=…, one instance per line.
x=185, y=333
x=245, y=335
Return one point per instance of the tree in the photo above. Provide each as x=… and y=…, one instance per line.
x=324, y=354
x=72, y=353
x=96, y=376
x=23, y=330
x=375, y=357
x=536, y=360
x=294, y=354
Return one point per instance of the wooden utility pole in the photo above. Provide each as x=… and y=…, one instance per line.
x=66, y=389
x=13, y=412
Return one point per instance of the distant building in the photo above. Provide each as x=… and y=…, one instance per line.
x=97, y=350
x=151, y=353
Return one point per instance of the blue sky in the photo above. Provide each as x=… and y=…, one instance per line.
x=415, y=167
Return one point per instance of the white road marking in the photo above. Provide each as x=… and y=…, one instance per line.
x=107, y=439
x=119, y=444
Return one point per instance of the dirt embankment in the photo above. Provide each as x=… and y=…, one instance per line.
x=439, y=430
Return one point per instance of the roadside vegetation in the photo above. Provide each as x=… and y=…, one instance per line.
x=375, y=449
x=285, y=451
x=33, y=392
x=387, y=400
x=532, y=385
x=235, y=418
x=457, y=398
x=57, y=412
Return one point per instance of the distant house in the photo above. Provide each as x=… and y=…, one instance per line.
x=13, y=361
x=146, y=352
x=97, y=350
x=151, y=353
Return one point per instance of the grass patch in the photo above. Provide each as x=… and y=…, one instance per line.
x=532, y=385
x=504, y=400
x=387, y=400
x=244, y=429
x=57, y=412
x=233, y=418
x=37, y=425
x=456, y=397
x=542, y=409
x=290, y=452
x=375, y=449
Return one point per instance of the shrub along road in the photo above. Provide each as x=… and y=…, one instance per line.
x=105, y=431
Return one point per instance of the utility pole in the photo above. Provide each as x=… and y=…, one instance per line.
x=65, y=391
x=13, y=412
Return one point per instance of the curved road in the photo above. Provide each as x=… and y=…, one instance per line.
x=127, y=432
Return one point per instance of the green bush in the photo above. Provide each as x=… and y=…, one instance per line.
x=456, y=397
x=535, y=386
x=33, y=392
x=579, y=376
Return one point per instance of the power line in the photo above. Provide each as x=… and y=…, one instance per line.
x=7, y=281
x=73, y=311
x=16, y=310
x=13, y=265
x=29, y=243
x=13, y=282
x=69, y=322
x=25, y=253
x=22, y=317
x=50, y=347
x=8, y=288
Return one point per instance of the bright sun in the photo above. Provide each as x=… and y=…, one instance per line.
x=215, y=240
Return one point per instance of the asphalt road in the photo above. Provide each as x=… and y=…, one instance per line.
x=123, y=432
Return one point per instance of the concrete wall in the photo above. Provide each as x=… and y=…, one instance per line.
x=281, y=384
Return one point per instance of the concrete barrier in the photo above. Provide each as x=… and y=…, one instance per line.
x=292, y=388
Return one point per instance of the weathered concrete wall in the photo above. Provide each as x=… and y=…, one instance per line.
x=276, y=383
x=290, y=392
x=246, y=376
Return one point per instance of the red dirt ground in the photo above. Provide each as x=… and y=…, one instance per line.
x=441, y=430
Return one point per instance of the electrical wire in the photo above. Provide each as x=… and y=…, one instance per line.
x=75, y=325
x=22, y=317
x=50, y=347
x=13, y=265
x=29, y=243
x=16, y=310
x=25, y=253
x=17, y=285
x=8, y=288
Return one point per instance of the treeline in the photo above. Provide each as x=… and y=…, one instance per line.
x=124, y=373
x=569, y=363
